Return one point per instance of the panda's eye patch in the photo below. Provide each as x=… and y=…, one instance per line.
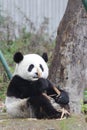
x=41, y=67
x=30, y=67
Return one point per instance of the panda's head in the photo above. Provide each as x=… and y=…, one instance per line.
x=31, y=66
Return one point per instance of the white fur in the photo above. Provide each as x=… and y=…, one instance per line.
x=18, y=107
x=22, y=68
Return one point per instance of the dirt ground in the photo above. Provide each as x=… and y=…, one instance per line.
x=72, y=123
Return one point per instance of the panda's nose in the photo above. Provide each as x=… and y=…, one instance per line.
x=36, y=73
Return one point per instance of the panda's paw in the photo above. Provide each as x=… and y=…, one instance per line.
x=41, y=80
x=65, y=113
x=43, y=84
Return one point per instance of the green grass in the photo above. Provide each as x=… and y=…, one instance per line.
x=84, y=106
x=3, y=88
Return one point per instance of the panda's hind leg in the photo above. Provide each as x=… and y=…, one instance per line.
x=42, y=102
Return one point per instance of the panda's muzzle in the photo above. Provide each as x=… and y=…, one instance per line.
x=37, y=74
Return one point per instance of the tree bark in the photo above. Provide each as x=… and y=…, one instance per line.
x=69, y=64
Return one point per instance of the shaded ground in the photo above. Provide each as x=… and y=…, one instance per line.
x=73, y=123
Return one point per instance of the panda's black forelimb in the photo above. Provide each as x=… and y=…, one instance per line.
x=47, y=86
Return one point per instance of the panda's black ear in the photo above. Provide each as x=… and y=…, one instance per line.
x=18, y=57
x=45, y=56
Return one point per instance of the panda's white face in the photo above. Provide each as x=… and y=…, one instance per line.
x=32, y=67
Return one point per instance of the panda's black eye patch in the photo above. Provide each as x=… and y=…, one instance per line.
x=30, y=67
x=41, y=67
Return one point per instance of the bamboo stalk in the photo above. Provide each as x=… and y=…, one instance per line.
x=56, y=90
x=4, y=63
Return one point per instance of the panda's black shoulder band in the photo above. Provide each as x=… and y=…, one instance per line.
x=18, y=57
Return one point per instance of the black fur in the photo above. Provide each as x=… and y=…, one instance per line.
x=62, y=99
x=21, y=88
x=18, y=57
x=45, y=56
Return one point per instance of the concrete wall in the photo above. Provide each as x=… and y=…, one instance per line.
x=35, y=10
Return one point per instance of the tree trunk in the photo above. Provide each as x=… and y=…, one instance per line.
x=69, y=63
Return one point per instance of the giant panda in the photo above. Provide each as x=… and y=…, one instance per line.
x=29, y=88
